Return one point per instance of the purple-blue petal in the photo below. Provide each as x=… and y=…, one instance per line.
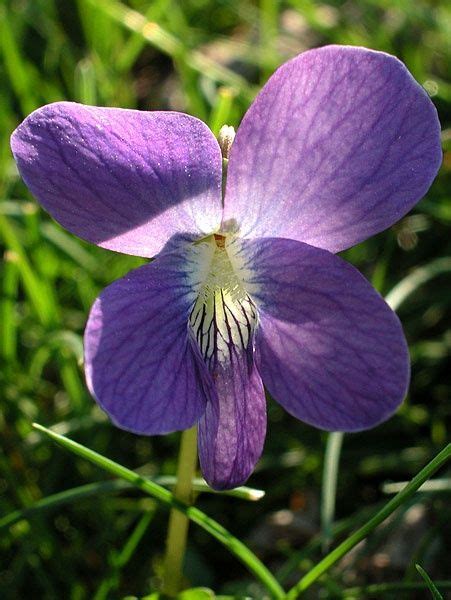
x=126, y=180
x=139, y=363
x=339, y=144
x=232, y=429
x=329, y=348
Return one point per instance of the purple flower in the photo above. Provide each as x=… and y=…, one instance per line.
x=244, y=292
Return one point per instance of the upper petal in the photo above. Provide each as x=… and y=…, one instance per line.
x=330, y=350
x=340, y=143
x=139, y=363
x=126, y=180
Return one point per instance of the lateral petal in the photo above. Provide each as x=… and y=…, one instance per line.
x=139, y=363
x=126, y=180
x=329, y=349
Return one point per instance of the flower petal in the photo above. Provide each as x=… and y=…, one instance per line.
x=330, y=350
x=222, y=328
x=340, y=143
x=139, y=363
x=126, y=180
x=233, y=428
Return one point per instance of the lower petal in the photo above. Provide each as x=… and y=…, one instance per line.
x=139, y=362
x=232, y=429
x=329, y=349
x=222, y=327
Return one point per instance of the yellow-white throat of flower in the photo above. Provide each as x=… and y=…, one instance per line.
x=224, y=317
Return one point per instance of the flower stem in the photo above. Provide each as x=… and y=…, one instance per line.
x=178, y=522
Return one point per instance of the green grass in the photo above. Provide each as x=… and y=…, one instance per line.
x=208, y=58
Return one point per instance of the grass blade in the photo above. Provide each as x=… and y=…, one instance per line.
x=169, y=44
x=430, y=584
x=113, y=487
x=329, y=485
x=62, y=498
x=419, y=276
x=36, y=290
x=8, y=328
x=380, y=589
x=334, y=556
x=233, y=544
x=221, y=110
x=120, y=559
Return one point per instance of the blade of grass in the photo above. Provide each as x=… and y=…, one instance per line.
x=85, y=85
x=380, y=589
x=340, y=551
x=20, y=78
x=430, y=584
x=134, y=45
x=35, y=289
x=8, y=337
x=329, y=485
x=102, y=36
x=269, y=15
x=169, y=44
x=62, y=498
x=233, y=544
x=71, y=380
x=120, y=559
x=434, y=485
x=419, y=276
x=200, y=485
x=221, y=109
x=112, y=487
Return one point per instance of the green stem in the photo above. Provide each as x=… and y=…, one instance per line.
x=179, y=522
x=329, y=486
x=334, y=556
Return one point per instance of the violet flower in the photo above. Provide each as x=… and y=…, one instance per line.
x=244, y=291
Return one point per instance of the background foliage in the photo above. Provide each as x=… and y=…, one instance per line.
x=208, y=58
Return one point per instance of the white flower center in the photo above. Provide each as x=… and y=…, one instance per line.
x=224, y=317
